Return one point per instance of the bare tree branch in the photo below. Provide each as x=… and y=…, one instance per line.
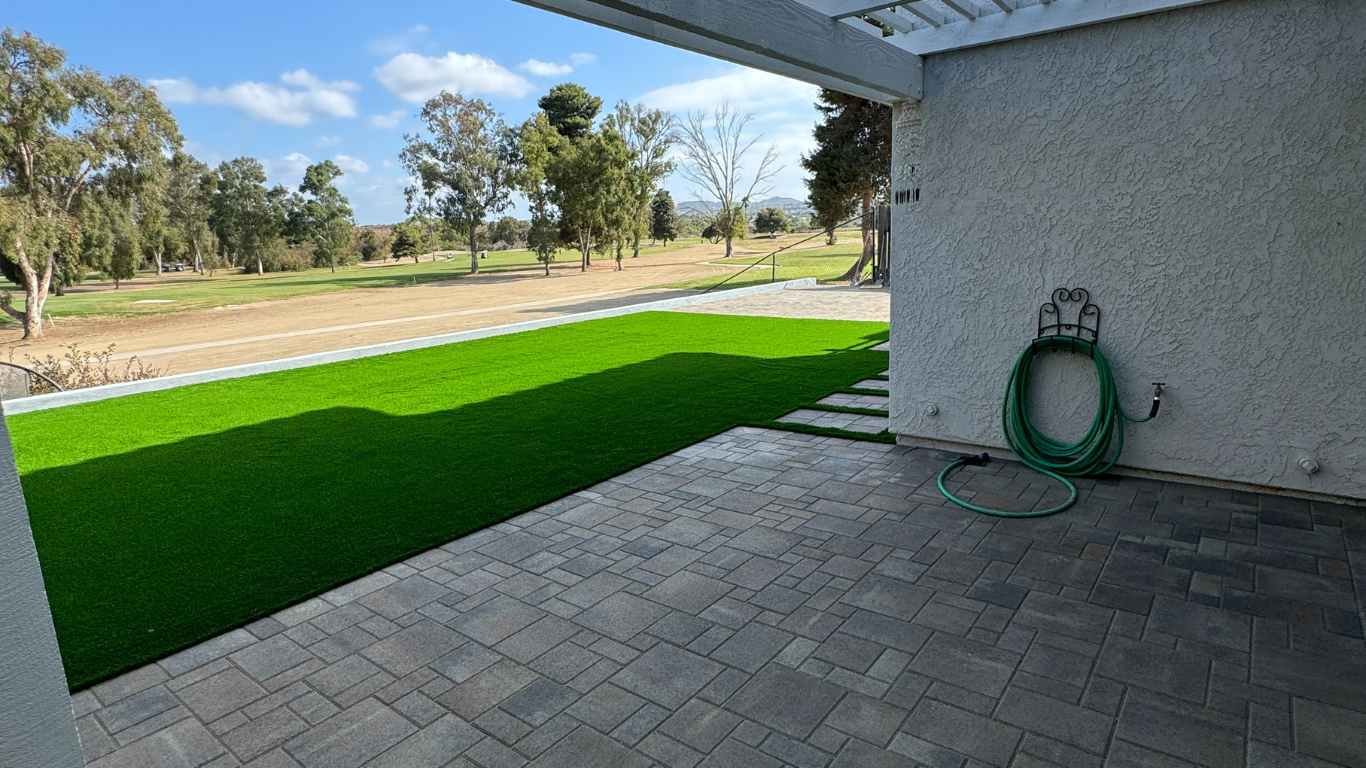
x=715, y=158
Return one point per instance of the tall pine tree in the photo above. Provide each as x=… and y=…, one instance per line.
x=852, y=164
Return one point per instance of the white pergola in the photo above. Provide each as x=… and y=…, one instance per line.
x=844, y=44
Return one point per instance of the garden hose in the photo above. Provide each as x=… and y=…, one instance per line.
x=1091, y=455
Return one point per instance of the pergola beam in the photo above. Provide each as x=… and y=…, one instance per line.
x=779, y=36
x=962, y=8
x=839, y=9
x=923, y=11
x=1053, y=16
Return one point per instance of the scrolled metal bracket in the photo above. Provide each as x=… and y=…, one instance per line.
x=1052, y=321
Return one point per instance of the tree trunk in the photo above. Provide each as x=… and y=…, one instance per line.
x=198, y=259
x=729, y=241
x=474, y=252
x=156, y=258
x=855, y=273
x=35, y=292
x=260, y=268
x=635, y=254
x=866, y=223
x=584, y=244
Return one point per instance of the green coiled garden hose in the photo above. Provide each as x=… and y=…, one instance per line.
x=1091, y=455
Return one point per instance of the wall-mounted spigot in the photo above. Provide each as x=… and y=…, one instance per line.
x=1157, y=398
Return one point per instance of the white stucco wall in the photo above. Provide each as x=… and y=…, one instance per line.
x=1203, y=173
x=37, y=729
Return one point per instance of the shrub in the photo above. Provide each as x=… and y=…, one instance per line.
x=78, y=369
x=278, y=257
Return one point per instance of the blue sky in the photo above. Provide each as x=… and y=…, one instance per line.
x=290, y=83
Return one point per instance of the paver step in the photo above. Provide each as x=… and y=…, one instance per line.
x=852, y=422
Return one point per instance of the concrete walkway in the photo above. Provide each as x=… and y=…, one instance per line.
x=826, y=302
x=765, y=599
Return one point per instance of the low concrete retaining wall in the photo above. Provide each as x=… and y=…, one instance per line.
x=59, y=399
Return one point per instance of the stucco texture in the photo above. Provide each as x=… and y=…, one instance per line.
x=37, y=727
x=1203, y=173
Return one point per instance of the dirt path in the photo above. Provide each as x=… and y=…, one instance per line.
x=197, y=340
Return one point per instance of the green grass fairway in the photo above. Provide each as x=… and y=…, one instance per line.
x=165, y=518
x=177, y=292
x=823, y=262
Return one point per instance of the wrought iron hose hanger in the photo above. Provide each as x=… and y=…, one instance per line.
x=1091, y=455
x=772, y=258
x=32, y=372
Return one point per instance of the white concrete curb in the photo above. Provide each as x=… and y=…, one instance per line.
x=93, y=394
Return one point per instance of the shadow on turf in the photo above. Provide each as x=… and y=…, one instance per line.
x=151, y=551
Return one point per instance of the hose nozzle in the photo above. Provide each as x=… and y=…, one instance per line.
x=979, y=460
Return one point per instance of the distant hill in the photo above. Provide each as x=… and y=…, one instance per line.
x=790, y=206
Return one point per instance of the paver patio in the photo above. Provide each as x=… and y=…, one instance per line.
x=766, y=598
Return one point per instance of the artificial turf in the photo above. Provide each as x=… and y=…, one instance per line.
x=165, y=518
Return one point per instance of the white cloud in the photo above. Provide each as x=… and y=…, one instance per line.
x=327, y=141
x=404, y=41
x=351, y=164
x=387, y=163
x=387, y=122
x=583, y=59
x=783, y=113
x=302, y=98
x=413, y=77
x=743, y=88
x=544, y=69
x=288, y=170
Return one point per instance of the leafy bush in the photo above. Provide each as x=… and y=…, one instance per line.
x=278, y=257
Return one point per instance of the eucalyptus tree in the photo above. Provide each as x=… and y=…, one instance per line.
x=421, y=206
x=650, y=134
x=245, y=216
x=65, y=134
x=468, y=156
x=188, y=195
x=538, y=145
x=722, y=162
x=152, y=217
x=323, y=218
x=591, y=184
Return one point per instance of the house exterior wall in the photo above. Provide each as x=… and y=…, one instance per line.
x=37, y=728
x=1203, y=173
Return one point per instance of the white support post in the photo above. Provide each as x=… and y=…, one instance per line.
x=37, y=728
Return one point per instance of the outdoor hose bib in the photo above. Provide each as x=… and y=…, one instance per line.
x=1092, y=454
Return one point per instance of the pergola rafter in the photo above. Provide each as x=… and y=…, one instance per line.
x=844, y=44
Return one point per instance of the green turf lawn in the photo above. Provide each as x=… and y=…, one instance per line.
x=166, y=518
x=188, y=291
